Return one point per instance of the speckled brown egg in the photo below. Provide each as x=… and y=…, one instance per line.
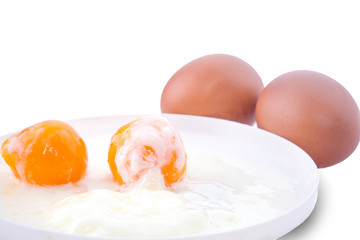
x=313, y=111
x=217, y=85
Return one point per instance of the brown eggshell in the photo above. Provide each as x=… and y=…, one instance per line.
x=217, y=85
x=313, y=111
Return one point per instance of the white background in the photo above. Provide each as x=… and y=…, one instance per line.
x=74, y=59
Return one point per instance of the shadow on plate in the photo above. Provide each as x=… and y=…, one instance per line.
x=303, y=231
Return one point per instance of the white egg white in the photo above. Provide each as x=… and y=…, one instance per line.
x=213, y=197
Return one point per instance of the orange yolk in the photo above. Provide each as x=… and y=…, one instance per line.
x=47, y=153
x=145, y=145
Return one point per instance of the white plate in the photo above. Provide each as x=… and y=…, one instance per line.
x=252, y=149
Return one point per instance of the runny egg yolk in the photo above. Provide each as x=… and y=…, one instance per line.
x=147, y=146
x=47, y=153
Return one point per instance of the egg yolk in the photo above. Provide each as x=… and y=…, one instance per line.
x=147, y=145
x=47, y=153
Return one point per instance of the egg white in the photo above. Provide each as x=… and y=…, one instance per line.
x=213, y=197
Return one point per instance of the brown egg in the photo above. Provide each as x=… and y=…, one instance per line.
x=217, y=85
x=313, y=111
